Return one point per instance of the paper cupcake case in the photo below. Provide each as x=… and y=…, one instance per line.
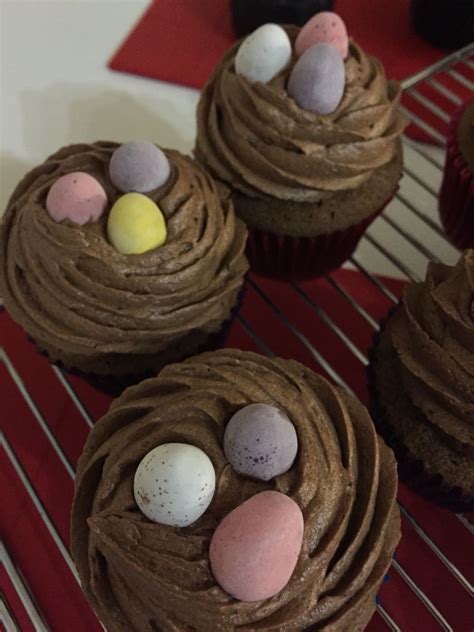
x=456, y=200
x=115, y=385
x=299, y=258
x=411, y=469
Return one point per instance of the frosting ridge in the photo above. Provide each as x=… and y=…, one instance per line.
x=72, y=291
x=433, y=336
x=142, y=575
x=257, y=139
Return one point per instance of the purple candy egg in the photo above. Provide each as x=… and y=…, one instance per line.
x=317, y=80
x=139, y=166
x=260, y=442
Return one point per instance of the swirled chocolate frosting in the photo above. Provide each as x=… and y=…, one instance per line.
x=430, y=340
x=258, y=140
x=140, y=575
x=105, y=312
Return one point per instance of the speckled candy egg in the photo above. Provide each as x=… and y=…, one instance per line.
x=136, y=224
x=139, y=166
x=174, y=484
x=317, y=80
x=76, y=196
x=255, y=548
x=260, y=442
x=325, y=27
x=263, y=54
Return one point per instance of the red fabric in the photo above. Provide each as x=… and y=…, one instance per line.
x=31, y=546
x=181, y=41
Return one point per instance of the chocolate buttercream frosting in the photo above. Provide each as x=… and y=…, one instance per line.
x=258, y=140
x=425, y=361
x=140, y=575
x=105, y=312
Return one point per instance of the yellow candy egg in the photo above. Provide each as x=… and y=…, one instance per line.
x=136, y=224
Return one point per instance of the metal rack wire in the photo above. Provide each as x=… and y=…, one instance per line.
x=375, y=244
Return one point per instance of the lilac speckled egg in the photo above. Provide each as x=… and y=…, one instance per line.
x=76, y=196
x=318, y=79
x=139, y=166
x=255, y=548
x=263, y=54
x=325, y=27
x=260, y=442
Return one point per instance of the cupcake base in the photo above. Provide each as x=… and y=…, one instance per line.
x=115, y=384
x=443, y=23
x=298, y=258
x=247, y=15
x=456, y=199
x=295, y=240
x=412, y=470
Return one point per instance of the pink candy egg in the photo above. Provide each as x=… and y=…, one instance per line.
x=254, y=550
x=325, y=27
x=78, y=197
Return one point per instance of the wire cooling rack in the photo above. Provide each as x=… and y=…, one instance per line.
x=328, y=324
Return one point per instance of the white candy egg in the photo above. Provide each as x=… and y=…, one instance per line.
x=174, y=484
x=263, y=54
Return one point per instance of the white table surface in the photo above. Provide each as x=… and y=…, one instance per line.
x=56, y=89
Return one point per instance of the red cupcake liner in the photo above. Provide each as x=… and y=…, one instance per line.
x=411, y=469
x=456, y=200
x=298, y=258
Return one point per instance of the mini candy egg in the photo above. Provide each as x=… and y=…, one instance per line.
x=77, y=196
x=325, y=27
x=254, y=550
x=260, y=442
x=263, y=54
x=174, y=484
x=136, y=224
x=317, y=80
x=139, y=166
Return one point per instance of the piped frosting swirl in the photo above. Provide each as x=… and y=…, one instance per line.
x=74, y=293
x=258, y=140
x=141, y=575
x=433, y=336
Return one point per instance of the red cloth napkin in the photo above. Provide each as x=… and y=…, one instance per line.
x=33, y=549
x=181, y=41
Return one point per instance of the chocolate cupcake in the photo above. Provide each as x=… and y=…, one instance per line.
x=150, y=556
x=456, y=200
x=247, y=15
x=305, y=129
x=422, y=384
x=444, y=23
x=119, y=259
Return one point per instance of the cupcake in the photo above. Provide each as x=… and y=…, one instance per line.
x=444, y=23
x=223, y=459
x=305, y=129
x=456, y=200
x=247, y=15
x=116, y=260
x=422, y=384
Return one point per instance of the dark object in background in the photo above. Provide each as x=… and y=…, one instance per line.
x=248, y=15
x=444, y=23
